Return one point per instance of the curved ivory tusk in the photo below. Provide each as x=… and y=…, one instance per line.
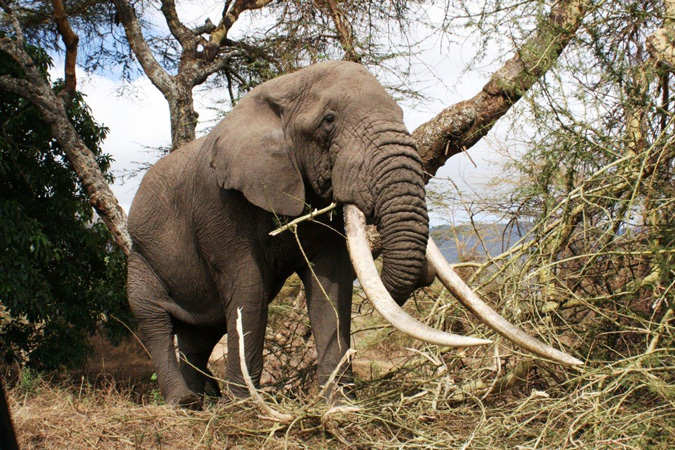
x=487, y=315
x=362, y=260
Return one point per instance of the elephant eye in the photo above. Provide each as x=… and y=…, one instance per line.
x=329, y=118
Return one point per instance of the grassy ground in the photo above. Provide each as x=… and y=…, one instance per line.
x=409, y=396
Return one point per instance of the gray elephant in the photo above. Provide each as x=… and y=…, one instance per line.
x=201, y=219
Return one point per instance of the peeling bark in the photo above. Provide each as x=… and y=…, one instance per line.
x=660, y=44
x=183, y=116
x=460, y=126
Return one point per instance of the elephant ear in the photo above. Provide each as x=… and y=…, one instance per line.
x=250, y=154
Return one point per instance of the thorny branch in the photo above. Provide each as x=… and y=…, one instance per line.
x=462, y=125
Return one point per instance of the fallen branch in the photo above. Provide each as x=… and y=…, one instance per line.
x=269, y=412
x=348, y=354
x=306, y=217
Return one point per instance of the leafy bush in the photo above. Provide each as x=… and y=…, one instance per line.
x=60, y=274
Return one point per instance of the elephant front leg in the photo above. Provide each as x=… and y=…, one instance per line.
x=328, y=286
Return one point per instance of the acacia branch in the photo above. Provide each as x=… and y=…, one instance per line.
x=344, y=32
x=230, y=16
x=460, y=126
x=70, y=40
x=660, y=44
x=217, y=65
x=132, y=27
x=182, y=33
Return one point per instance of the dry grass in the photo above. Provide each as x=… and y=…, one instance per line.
x=412, y=399
x=615, y=407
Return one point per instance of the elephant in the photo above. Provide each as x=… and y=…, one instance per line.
x=201, y=219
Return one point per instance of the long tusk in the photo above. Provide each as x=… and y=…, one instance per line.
x=487, y=315
x=362, y=260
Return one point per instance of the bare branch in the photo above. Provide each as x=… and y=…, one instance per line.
x=230, y=16
x=464, y=124
x=182, y=33
x=206, y=28
x=344, y=31
x=306, y=217
x=70, y=40
x=269, y=412
x=158, y=76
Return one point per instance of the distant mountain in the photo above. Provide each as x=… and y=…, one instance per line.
x=460, y=243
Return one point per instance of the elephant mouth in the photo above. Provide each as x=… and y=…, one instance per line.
x=364, y=266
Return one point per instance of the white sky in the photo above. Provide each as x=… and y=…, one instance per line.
x=140, y=120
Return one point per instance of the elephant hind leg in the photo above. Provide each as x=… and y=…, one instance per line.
x=195, y=345
x=146, y=295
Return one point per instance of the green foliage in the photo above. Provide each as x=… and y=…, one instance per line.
x=594, y=170
x=60, y=273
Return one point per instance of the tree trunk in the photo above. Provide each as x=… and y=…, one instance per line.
x=183, y=117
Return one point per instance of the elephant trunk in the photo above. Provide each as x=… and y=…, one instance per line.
x=400, y=216
x=394, y=200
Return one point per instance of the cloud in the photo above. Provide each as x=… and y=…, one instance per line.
x=138, y=119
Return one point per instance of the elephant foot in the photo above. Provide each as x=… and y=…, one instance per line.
x=212, y=389
x=185, y=399
x=235, y=391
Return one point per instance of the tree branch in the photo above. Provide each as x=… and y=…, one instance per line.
x=460, y=126
x=215, y=66
x=182, y=33
x=158, y=76
x=660, y=44
x=70, y=40
x=344, y=32
x=14, y=21
x=36, y=90
x=230, y=16
x=208, y=27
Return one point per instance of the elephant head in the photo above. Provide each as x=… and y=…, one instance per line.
x=330, y=132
